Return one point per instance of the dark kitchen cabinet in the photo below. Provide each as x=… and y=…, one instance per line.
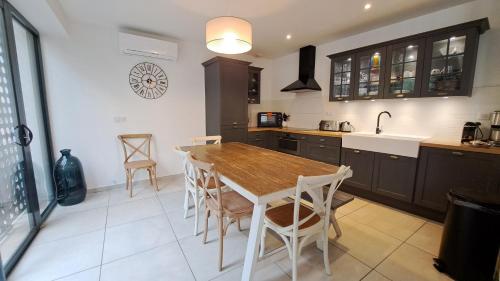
x=370, y=67
x=254, y=84
x=324, y=153
x=260, y=138
x=439, y=170
x=361, y=163
x=435, y=63
x=341, y=84
x=450, y=63
x=404, y=69
x=394, y=176
x=226, y=98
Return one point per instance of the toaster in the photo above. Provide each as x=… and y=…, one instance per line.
x=329, y=125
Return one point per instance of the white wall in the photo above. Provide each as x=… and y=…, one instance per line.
x=435, y=117
x=87, y=86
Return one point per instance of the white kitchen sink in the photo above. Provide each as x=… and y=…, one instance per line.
x=404, y=145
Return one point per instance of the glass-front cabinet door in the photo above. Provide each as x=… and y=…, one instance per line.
x=342, y=82
x=404, y=69
x=448, y=62
x=370, y=69
x=254, y=84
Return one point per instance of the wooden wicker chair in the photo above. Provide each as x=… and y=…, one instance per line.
x=229, y=204
x=143, y=152
x=206, y=140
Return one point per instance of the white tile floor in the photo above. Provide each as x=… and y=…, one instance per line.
x=113, y=237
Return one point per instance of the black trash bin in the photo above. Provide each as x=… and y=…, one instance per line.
x=471, y=236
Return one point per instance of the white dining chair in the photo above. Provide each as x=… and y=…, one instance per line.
x=206, y=140
x=193, y=188
x=296, y=223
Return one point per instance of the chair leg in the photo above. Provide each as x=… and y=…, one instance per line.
x=127, y=182
x=335, y=224
x=196, y=215
x=131, y=181
x=326, y=259
x=205, y=230
x=155, y=179
x=150, y=177
x=294, y=261
x=263, y=241
x=221, y=241
x=186, y=203
x=238, y=221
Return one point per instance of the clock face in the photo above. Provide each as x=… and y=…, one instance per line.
x=148, y=80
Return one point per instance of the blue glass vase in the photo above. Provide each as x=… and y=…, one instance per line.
x=70, y=183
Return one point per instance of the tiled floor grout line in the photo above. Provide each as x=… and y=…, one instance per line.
x=175, y=235
x=76, y=272
x=104, y=239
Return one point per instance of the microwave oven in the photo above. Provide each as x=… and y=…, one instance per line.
x=270, y=119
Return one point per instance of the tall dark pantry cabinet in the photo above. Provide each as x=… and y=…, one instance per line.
x=226, y=98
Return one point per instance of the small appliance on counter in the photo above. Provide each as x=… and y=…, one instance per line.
x=270, y=119
x=346, y=127
x=329, y=125
x=495, y=128
x=470, y=132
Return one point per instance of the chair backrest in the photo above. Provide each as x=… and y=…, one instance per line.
x=313, y=186
x=189, y=172
x=206, y=140
x=130, y=149
x=204, y=172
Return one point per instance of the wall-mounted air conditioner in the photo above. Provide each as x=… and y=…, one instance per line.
x=136, y=45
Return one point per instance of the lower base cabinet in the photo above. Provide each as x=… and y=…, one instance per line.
x=394, y=176
x=442, y=169
x=361, y=163
x=234, y=133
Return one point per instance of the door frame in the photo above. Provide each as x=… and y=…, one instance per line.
x=36, y=218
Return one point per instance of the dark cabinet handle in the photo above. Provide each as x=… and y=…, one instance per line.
x=25, y=135
x=321, y=139
x=259, y=139
x=322, y=146
x=457, y=153
x=356, y=151
x=394, y=157
x=235, y=123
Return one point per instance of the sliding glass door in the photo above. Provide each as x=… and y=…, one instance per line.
x=26, y=185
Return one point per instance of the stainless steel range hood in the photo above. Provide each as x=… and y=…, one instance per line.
x=306, y=82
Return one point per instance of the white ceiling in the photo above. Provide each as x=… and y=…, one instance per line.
x=308, y=21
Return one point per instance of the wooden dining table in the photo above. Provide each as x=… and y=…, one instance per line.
x=260, y=175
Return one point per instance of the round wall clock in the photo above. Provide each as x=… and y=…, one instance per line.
x=148, y=80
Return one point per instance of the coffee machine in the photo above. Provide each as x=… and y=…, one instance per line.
x=495, y=128
x=470, y=132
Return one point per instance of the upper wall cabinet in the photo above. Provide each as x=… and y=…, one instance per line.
x=254, y=84
x=404, y=69
x=370, y=68
x=449, y=63
x=342, y=86
x=430, y=64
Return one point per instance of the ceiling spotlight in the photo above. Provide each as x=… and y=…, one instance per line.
x=405, y=99
x=445, y=97
x=289, y=36
x=372, y=100
x=346, y=101
x=368, y=6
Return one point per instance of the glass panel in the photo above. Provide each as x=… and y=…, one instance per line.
x=345, y=90
x=25, y=48
x=346, y=78
x=363, y=75
x=398, y=55
x=337, y=91
x=376, y=60
x=363, y=89
x=408, y=85
x=455, y=64
x=438, y=66
x=373, y=89
x=434, y=81
x=410, y=69
x=457, y=45
x=14, y=214
x=439, y=48
x=397, y=71
x=411, y=53
x=395, y=86
x=452, y=82
x=375, y=74
x=347, y=65
x=337, y=67
x=337, y=79
x=364, y=62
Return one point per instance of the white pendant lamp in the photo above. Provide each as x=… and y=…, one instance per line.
x=229, y=35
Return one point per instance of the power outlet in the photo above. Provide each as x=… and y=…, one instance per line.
x=120, y=119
